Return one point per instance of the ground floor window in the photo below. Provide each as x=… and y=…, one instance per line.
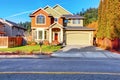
x=34, y=34
x=45, y=34
x=40, y=33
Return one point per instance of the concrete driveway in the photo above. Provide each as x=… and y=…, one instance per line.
x=85, y=52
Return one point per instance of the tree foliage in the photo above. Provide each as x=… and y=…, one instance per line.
x=26, y=25
x=108, y=19
x=90, y=15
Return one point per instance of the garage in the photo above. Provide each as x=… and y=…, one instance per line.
x=79, y=37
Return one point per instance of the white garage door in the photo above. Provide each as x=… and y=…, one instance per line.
x=78, y=38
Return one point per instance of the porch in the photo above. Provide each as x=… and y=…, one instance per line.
x=53, y=33
x=56, y=33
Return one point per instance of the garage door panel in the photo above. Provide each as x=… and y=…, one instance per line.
x=77, y=38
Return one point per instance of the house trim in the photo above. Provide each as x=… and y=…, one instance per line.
x=38, y=10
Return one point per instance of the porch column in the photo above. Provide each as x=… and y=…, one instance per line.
x=50, y=35
x=61, y=35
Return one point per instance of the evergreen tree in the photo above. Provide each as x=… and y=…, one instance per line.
x=108, y=19
x=26, y=25
x=116, y=19
x=90, y=15
x=99, y=34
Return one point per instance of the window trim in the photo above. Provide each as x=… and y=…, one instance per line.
x=39, y=35
x=40, y=23
x=34, y=34
x=40, y=29
x=78, y=21
x=45, y=35
x=56, y=19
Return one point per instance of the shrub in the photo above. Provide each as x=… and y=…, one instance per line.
x=46, y=42
x=31, y=43
x=55, y=43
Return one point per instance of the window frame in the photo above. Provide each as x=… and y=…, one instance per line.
x=38, y=22
x=34, y=34
x=45, y=34
x=55, y=19
x=76, y=21
x=40, y=38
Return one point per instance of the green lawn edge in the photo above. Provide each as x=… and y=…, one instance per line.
x=32, y=48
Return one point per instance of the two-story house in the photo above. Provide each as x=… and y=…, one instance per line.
x=2, y=29
x=11, y=29
x=58, y=24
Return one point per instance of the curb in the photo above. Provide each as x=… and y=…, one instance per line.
x=24, y=56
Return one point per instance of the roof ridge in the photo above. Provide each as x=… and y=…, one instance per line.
x=62, y=8
x=53, y=10
x=39, y=9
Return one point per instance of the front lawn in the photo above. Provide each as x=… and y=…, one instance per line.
x=33, y=49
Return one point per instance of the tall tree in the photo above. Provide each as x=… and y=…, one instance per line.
x=100, y=9
x=108, y=20
x=116, y=19
x=26, y=25
x=90, y=15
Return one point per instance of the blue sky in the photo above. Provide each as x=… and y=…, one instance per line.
x=19, y=10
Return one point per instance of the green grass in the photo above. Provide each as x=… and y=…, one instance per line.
x=35, y=48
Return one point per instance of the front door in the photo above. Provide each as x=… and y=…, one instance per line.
x=56, y=37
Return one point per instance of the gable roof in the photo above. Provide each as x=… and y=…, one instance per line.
x=61, y=10
x=12, y=24
x=1, y=23
x=56, y=11
x=51, y=11
x=73, y=16
x=32, y=14
x=79, y=28
x=15, y=24
x=55, y=24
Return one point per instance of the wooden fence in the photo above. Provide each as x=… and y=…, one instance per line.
x=109, y=44
x=7, y=42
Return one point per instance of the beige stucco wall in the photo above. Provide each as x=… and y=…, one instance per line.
x=79, y=37
x=70, y=23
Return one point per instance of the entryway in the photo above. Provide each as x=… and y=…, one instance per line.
x=56, y=37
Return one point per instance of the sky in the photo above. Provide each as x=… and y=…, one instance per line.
x=19, y=10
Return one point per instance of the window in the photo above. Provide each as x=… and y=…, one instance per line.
x=65, y=21
x=34, y=34
x=76, y=21
x=41, y=19
x=40, y=34
x=45, y=35
x=56, y=19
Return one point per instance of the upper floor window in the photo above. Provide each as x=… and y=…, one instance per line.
x=41, y=19
x=65, y=21
x=76, y=21
x=55, y=19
